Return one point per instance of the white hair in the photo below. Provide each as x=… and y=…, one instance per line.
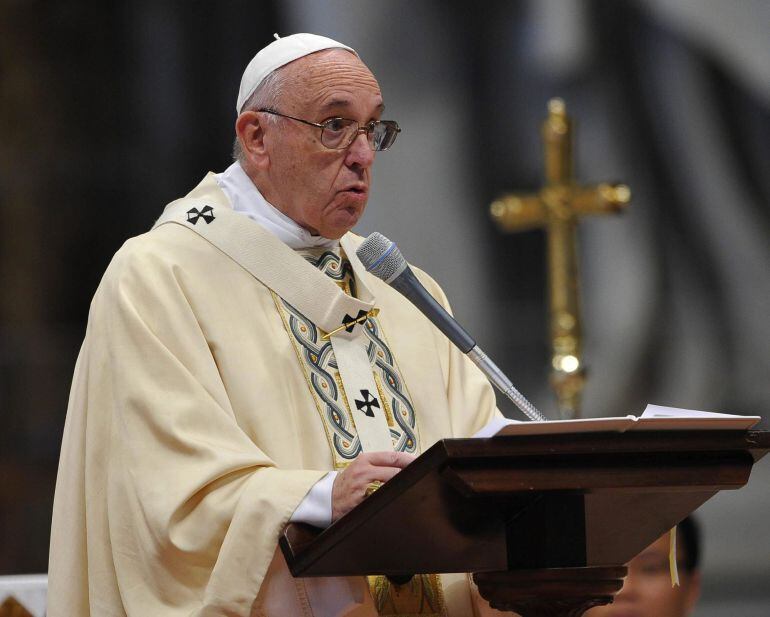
x=266, y=96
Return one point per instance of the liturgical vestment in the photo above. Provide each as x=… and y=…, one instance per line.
x=205, y=406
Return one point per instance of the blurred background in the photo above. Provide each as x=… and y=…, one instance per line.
x=109, y=110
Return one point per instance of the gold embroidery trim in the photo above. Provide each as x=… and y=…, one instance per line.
x=422, y=596
x=407, y=394
x=344, y=399
x=385, y=404
x=335, y=462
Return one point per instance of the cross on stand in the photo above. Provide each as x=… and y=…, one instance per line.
x=557, y=208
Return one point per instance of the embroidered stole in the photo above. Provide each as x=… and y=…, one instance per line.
x=422, y=595
x=319, y=363
x=352, y=375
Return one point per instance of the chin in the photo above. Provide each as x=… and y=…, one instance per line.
x=335, y=233
x=342, y=222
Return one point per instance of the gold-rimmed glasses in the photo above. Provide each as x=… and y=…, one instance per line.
x=339, y=133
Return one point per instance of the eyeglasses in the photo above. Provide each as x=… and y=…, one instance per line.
x=339, y=133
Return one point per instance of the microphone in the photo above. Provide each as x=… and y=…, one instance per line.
x=382, y=258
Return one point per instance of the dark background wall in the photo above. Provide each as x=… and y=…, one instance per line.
x=110, y=110
x=107, y=112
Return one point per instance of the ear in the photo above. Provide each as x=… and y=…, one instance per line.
x=250, y=132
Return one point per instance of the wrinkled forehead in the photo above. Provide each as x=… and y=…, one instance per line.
x=318, y=76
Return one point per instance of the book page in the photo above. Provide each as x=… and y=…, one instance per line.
x=654, y=418
x=584, y=425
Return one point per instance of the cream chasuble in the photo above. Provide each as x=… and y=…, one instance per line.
x=206, y=404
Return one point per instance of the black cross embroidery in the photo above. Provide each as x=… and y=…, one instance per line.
x=367, y=404
x=352, y=321
x=207, y=214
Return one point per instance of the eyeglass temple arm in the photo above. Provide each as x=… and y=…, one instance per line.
x=308, y=122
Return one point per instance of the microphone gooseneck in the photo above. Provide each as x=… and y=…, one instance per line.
x=382, y=258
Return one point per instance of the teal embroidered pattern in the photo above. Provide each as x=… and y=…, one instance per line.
x=323, y=377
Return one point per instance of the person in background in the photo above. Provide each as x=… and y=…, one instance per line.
x=648, y=591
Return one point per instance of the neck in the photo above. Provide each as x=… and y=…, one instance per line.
x=245, y=193
x=267, y=189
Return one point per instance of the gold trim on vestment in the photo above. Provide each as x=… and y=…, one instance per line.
x=407, y=394
x=385, y=404
x=344, y=398
x=316, y=377
x=422, y=596
x=303, y=369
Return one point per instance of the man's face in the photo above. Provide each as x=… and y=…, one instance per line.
x=647, y=591
x=323, y=190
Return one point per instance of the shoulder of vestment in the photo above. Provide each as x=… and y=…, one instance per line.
x=166, y=245
x=155, y=257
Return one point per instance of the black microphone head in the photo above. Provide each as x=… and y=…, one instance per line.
x=381, y=257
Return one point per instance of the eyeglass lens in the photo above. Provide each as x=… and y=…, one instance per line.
x=340, y=133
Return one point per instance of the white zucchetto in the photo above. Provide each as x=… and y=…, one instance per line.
x=281, y=51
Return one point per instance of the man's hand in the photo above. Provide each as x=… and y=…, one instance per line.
x=350, y=485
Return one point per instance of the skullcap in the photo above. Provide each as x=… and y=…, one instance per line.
x=281, y=51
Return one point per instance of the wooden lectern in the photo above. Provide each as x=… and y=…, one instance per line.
x=545, y=522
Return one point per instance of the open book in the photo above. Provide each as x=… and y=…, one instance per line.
x=654, y=418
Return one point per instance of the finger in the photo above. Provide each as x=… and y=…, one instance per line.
x=381, y=474
x=388, y=459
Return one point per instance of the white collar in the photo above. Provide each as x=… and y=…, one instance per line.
x=246, y=199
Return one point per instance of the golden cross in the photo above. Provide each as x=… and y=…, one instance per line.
x=557, y=207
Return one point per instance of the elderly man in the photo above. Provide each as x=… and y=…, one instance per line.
x=242, y=370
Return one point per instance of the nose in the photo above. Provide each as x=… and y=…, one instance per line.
x=630, y=591
x=359, y=152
